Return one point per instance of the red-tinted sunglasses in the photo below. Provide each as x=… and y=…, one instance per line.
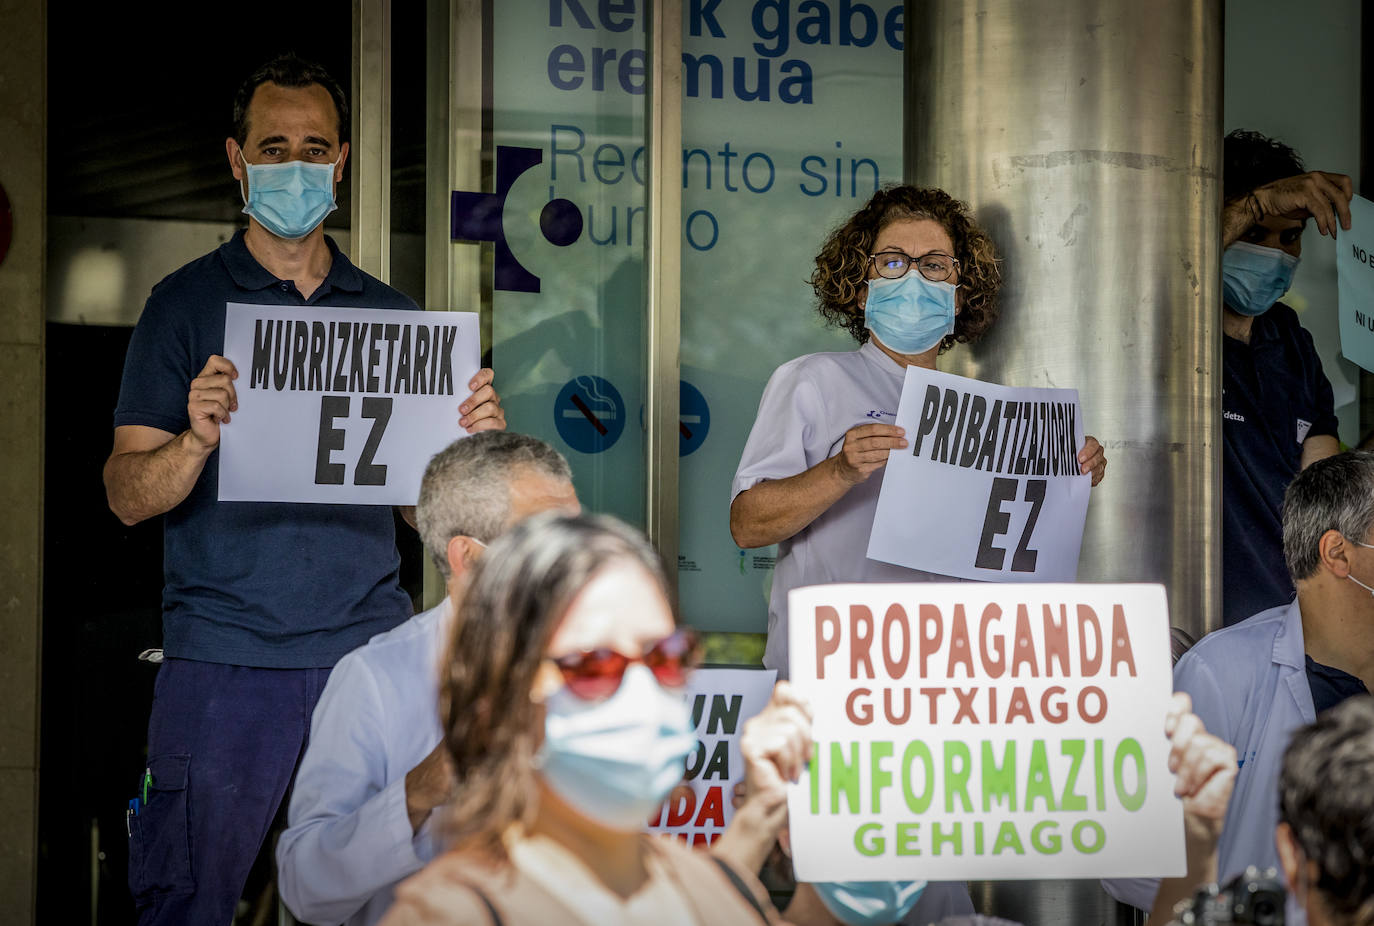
x=595, y=674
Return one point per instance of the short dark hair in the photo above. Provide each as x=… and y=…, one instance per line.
x=842, y=265
x=1251, y=160
x=1332, y=494
x=1326, y=796
x=288, y=70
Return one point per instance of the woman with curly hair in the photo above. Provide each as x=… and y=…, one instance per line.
x=909, y=275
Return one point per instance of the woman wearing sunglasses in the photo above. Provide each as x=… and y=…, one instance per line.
x=565, y=720
x=908, y=276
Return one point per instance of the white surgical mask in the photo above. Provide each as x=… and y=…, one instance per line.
x=614, y=761
x=1355, y=580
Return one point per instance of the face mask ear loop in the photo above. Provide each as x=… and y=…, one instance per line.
x=243, y=184
x=1351, y=577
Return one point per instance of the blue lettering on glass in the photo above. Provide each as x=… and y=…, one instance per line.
x=855, y=24
x=477, y=217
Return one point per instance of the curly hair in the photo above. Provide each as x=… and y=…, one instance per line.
x=842, y=264
x=518, y=593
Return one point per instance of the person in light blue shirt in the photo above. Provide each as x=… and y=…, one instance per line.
x=361, y=815
x=1256, y=682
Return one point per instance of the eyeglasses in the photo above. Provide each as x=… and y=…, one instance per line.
x=935, y=266
x=597, y=673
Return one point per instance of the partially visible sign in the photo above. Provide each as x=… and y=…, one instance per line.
x=1355, y=279
x=985, y=731
x=988, y=487
x=344, y=406
x=722, y=700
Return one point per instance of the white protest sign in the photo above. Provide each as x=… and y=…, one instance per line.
x=341, y=405
x=1355, y=281
x=984, y=730
x=722, y=700
x=988, y=486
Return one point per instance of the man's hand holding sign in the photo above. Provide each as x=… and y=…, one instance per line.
x=350, y=403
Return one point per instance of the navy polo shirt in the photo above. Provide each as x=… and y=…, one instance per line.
x=1330, y=686
x=1274, y=397
x=246, y=583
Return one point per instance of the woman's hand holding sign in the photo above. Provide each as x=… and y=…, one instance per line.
x=1204, y=768
x=1092, y=459
x=865, y=451
x=775, y=745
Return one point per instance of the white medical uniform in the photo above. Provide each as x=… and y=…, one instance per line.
x=807, y=406
x=1249, y=686
x=349, y=841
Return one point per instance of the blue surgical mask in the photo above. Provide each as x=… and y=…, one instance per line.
x=910, y=315
x=1254, y=278
x=291, y=199
x=869, y=903
x=614, y=761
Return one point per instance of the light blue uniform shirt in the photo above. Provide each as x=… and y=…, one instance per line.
x=1249, y=687
x=349, y=841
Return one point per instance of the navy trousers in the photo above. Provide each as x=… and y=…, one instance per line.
x=223, y=744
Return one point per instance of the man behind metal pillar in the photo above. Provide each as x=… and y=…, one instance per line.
x=259, y=599
x=360, y=818
x=1277, y=409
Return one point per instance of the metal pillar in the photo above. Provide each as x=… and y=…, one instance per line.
x=1086, y=136
x=23, y=349
x=663, y=258
x=370, y=152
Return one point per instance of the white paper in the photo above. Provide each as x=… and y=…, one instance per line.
x=909, y=814
x=323, y=417
x=1355, y=281
x=722, y=700
x=983, y=497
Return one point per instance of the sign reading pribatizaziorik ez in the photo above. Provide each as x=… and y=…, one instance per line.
x=988, y=486
x=343, y=406
x=980, y=730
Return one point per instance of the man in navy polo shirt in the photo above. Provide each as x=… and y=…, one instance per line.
x=1277, y=409
x=260, y=600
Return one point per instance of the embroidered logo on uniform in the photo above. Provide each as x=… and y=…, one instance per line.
x=1233, y=416
x=879, y=413
x=1303, y=428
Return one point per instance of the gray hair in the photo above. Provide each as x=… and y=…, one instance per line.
x=1325, y=798
x=1334, y=494
x=465, y=491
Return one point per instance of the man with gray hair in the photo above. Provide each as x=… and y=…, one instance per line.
x=1256, y=682
x=360, y=817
